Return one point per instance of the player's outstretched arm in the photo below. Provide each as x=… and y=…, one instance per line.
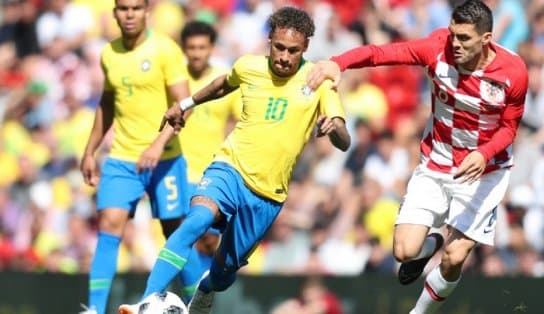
x=216, y=89
x=414, y=52
x=336, y=129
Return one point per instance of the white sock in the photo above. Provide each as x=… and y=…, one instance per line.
x=427, y=248
x=434, y=292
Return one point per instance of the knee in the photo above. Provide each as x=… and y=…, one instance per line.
x=207, y=244
x=403, y=251
x=112, y=222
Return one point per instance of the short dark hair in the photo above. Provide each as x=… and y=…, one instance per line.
x=474, y=12
x=197, y=28
x=291, y=18
x=146, y=2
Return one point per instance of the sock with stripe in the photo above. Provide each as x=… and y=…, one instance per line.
x=103, y=270
x=196, y=265
x=435, y=291
x=173, y=256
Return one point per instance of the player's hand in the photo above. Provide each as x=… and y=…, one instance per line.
x=325, y=126
x=149, y=158
x=321, y=71
x=89, y=171
x=471, y=168
x=174, y=117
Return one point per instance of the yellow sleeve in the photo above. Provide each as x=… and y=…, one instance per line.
x=235, y=104
x=329, y=101
x=233, y=78
x=107, y=84
x=173, y=62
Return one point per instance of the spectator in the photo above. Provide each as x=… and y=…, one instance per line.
x=62, y=27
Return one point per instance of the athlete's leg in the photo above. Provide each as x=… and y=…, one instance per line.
x=199, y=262
x=220, y=276
x=410, y=242
x=241, y=236
x=111, y=223
x=424, y=206
x=114, y=207
x=443, y=279
x=169, y=194
x=471, y=219
x=173, y=257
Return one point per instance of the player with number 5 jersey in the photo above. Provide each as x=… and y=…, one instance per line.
x=143, y=76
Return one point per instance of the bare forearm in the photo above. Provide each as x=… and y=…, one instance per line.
x=164, y=136
x=216, y=89
x=102, y=123
x=340, y=137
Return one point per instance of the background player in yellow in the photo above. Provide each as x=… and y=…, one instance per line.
x=243, y=190
x=204, y=131
x=143, y=76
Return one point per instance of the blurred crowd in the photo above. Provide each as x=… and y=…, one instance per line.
x=339, y=216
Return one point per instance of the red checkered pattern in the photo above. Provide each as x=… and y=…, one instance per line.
x=477, y=110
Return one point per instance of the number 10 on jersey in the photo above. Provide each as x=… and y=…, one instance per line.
x=275, y=110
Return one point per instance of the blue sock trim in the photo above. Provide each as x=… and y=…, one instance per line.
x=103, y=270
x=180, y=243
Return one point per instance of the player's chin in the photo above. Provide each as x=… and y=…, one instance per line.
x=460, y=60
x=282, y=70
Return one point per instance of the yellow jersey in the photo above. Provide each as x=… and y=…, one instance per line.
x=205, y=129
x=278, y=116
x=139, y=80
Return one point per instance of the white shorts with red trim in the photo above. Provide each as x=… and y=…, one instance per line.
x=434, y=199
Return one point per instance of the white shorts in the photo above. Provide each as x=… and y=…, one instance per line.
x=434, y=199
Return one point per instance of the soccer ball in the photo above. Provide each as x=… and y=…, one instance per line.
x=162, y=303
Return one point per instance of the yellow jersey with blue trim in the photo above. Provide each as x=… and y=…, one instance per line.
x=139, y=79
x=278, y=116
x=206, y=127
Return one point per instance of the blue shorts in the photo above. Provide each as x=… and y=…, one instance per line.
x=122, y=187
x=248, y=215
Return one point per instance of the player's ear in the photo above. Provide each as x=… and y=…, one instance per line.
x=486, y=38
x=306, y=43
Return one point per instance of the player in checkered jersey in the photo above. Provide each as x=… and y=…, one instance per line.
x=478, y=93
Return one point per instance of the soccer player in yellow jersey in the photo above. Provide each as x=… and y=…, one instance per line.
x=242, y=191
x=204, y=131
x=206, y=127
x=143, y=76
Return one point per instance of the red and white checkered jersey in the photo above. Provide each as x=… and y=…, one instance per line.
x=477, y=110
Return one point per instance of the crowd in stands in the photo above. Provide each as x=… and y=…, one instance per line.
x=340, y=214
